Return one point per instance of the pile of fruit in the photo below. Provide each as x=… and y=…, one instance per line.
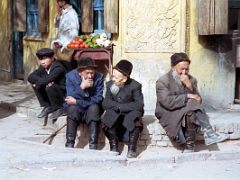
x=89, y=41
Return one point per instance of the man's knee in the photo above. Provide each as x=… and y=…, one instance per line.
x=93, y=113
x=73, y=112
x=94, y=109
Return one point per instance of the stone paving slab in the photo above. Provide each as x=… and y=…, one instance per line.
x=28, y=154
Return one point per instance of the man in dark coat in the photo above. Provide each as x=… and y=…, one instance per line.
x=48, y=82
x=84, y=99
x=124, y=108
x=179, y=106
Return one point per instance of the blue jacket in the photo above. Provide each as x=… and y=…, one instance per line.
x=87, y=97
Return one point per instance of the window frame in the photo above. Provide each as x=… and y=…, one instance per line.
x=98, y=10
x=32, y=10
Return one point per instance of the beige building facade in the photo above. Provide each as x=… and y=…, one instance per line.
x=149, y=32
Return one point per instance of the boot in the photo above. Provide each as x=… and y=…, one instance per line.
x=112, y=138
x=93, y=134
x=190, y=140
x=132, y=145
x=190, y=133
x=211, y=137
x=71, y=133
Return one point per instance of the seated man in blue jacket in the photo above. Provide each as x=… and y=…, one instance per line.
x=84, y=97
x=48, y=82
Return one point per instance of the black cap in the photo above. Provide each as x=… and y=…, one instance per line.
x=44, y=52
x=124, y=66
x=179, y=57
x=86, y=62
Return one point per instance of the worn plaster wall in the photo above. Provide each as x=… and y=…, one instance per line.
x=213, y=60
x=5, y=45
x=150, y=32
x=31, y=46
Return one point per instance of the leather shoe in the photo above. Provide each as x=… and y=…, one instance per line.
x=45, y=111
x=56, y=114
x=131, y=154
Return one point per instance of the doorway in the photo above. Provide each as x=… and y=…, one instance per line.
x=17, y=55
x=234, y=27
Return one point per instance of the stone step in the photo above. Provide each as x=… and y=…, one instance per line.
x=153, y=134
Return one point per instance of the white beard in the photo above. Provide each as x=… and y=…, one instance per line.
x=114, y=89
x=176, y=77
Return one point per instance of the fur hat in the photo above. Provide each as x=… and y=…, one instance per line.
x=179, y=57
x=124, y=66
x=44, y=52
x=86, y=62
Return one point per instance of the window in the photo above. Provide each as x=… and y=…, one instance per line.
x=98, y=16
x=32, y=19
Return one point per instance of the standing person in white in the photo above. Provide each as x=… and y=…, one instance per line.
x=66, y=20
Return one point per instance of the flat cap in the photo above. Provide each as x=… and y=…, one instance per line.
x=44, y=52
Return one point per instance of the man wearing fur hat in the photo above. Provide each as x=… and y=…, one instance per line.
x=48, y=82
x=123, y=105
x=179, y=108
x=84, y=97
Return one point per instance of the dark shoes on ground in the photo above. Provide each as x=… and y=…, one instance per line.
x=131, y=154
x=56, y=114
x=45, y=111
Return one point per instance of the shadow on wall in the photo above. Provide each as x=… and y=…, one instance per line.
x=223, y=45
x=216, y=43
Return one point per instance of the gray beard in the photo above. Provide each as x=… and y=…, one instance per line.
x=114, y=89
x=176, y=77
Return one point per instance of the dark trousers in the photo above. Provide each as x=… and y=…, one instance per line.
x=122, y=134
x=51, y=96
x=91, y=117
x=93, y=113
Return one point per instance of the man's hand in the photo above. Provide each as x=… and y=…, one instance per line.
x=86, y=83
x=70, y=100
x=194, y=96
x=50, y=84
x=185, y=81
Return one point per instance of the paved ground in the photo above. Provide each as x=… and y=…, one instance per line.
x=23, y=156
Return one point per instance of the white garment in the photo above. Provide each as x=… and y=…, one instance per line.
x=68, y=26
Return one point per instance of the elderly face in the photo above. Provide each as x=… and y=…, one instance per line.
x=46, y=62
x=87, y=73
x=181, y=68
x=118, y=78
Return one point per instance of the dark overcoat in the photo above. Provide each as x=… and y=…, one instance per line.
x=128, y=102
x=172, y=103
x=41, y=78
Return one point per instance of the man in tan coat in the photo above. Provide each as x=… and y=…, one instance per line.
x=179, y=108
